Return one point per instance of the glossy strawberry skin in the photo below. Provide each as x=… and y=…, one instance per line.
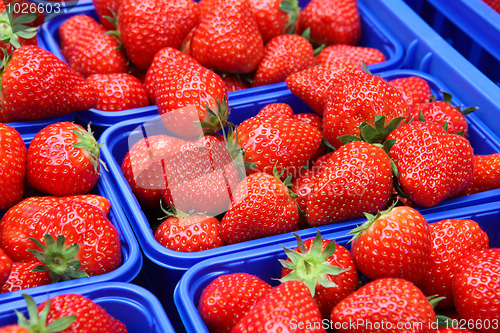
x=13, y=329
x=13, y=165
x=452, y=240
x=486, y=174
x=234, y=82
x=228, y=298
x=415, y=90
x=21, y=277
x=270, y=19
x=107, y=8
x=440, y=112
x=303, y=185
x=353, y=55
x=5, y=267
x=71, y=29
x=356, y=179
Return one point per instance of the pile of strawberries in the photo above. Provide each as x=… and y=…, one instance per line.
x=400, y=275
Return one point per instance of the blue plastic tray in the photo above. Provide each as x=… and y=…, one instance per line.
x=165, y=267
x=264, y=263
x=374, y=35
x=131, y=253
x=134, y=306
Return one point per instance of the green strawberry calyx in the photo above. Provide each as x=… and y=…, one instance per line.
x=57, y=259
x=216, y=120
x=291, y=7
x=173, y=212
x=89, y=144
x=376, y=133
x=236, y=152
x=311, y=266
x=37, y=322
x=287, y=182
x=370, y=220
x=11, y=29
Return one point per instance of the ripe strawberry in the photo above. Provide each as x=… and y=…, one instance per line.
x=358, y=97
x=261, y=206
x=276, y=109
x=275, y=17
x=276, y=141
x=63, y=159
x=331, y=21
x=147, y=26
x=234, y=82
x=432, y=165
x=119, y=91
x=5, y=267
x=353, y=55
x=452, y=240
x=30, y=79
x=13, y=165
x=385, y=305
x=71, y=29
x=475, y=289
x=19, y=27
x=283, y=55
x=284, y=308
x=23, y=277
x=415, y=90
x=486, y=175
x=201, y=100
x=312, y=85
x=494, y=4
x=303, y=186
x=311, y=119
x=395, y=243
x=357, y=179
x=228, y=298
x=325, y=267
x=320, y=164
x=189, y=233
x=106, y=10
x=228, y=38
x=162, y=60
x=93, y=199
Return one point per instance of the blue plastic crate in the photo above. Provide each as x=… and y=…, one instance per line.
x=374, y=35
x=134, y=306
x=165, y=267
x=131, y=254
x=263, y=262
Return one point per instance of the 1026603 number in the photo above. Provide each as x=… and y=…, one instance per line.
x=474, y=324
x=34, y=8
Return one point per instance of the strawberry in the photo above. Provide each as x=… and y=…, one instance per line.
x=275, y=17
x=475, y=289
x=189, y=233
x=432, y=165
x=162, y=60
x=356, y=179
x=22, y=276
x=303, y=186
x=5, y=267
x=107, y=10
x=227, y=38
x=284, y=308
x=312, y=85
x=452, y=240
x=18, y=28
x=325, y=267
x=63, y=159
x=486, y=175
x=234, y=82
x=415, y=90
x=353, y=55
x=444, y=114
x=228, y=298
x=201, y=100
x=276, y=109
x=119, y=91
x=320, y=164
x=385, y=305
x=357, y=98
x=283, y=55
x=331, y=21
x=277, y=141
x=261, y=206
x=94, y=199
x=395, y=243
x=13, y=165
x=311, y=119
x=30, y=79
x=147, y=26
x=494, y=4
x=71, y=29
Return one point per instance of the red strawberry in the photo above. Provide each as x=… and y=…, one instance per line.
x=312, y=85
x=358, y=97
x=71, y=29
x=283, y=55
x=147, y=26
x=119, y=91
x=395, y=243
x=385, y=305
x=228, y=298
x=475, y=289
x=357, y=179
x=5, y=267
x=201, y=100
x=321, y=162
x=30, y=79
x=353, y=55
x=228, y=38
x=276, y=109
x=311, y=119
x=14, y=328
x=331, y=21
x=325, y=267
x=432, y=165
x=22, y=277
x=275, y=17
x=494, y=4
x=20, y=24
x=452, y=240
x=106, y=10
x=486, y=175
x=303, y=185
x=189, y=233
x=261, y=206
x=415, y=90
x=13, y=164
x=63, y=159
x=284, y=308
x=234, y=82
x=93, y=199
